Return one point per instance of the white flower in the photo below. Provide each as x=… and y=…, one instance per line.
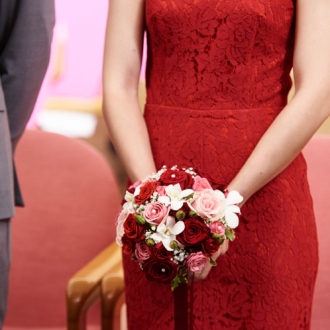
x=232, y=199
x=175, y=196
x=129, y=206
x=122, y=216
x=166, y=232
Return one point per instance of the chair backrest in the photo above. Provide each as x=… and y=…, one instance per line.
x=71, y=199
x=317, y=154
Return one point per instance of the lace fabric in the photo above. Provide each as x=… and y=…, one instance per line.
x=229, y=54
x=217, y=76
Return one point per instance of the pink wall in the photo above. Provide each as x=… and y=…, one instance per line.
x=79, y=37
x=83, y=22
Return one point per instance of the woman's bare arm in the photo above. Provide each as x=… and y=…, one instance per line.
x=121, y=71
x=309, y=107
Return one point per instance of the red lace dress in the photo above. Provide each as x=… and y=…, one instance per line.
x=217, y=76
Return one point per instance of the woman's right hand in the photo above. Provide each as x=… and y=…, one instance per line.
x=202, y=274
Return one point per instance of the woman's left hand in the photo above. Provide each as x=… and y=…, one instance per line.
x=202, y=274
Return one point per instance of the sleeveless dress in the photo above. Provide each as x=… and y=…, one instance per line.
x=217, y=76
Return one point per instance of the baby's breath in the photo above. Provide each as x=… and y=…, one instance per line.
x=179, y=256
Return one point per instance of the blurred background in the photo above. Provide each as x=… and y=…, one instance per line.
x=70, y=102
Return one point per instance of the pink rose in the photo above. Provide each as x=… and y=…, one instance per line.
x=142, y=251
x=201, y=184
x=154, y=213
x=161, y=190
x=209, y=204
x=196, y=261
x=217, y=227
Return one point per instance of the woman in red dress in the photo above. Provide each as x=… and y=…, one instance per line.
x=217, y=85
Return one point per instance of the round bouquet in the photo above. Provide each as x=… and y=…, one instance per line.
x=172, y=223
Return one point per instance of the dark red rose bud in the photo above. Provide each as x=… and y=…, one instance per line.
x=172, y=177
x=128, y=245
x=195, y=232
x=210, y=246
x=132, y=229
x=160, y=252
x=160, y=270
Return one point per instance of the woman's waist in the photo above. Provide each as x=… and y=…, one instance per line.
x=212, y=112
x=214, y=141
x=225, y=130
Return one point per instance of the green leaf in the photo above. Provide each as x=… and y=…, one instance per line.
x=175, y=282
x=230, y=234
x=213, y=262
x=221, y=240
x=180, y=278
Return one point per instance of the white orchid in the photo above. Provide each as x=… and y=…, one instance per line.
x=175, y=196
x=128, y=206
x=166, y=232
x=232, y=199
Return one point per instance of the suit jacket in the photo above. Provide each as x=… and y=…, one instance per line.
x=26, y=29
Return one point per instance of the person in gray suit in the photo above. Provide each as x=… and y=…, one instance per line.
x=26, y=29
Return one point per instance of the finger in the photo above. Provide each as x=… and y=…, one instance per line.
x=202, y=274
x=224, y=247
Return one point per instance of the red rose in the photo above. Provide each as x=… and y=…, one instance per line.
x=132, y=229
x=172, y=177
x=146, y=190
x=128, y=245
x=160, y=270
x=210, y=246
x=160, y=252
x=195, y=232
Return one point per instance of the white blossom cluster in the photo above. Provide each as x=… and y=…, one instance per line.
x=179, y=256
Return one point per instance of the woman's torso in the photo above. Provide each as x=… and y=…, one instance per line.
x=211, y=54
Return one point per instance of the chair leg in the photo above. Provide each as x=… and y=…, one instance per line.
x=120, y=316
x=112, y=289
x=77, y=324
x=78, y=305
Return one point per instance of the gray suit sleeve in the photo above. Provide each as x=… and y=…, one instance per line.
x=26, y=33
x=26, y=30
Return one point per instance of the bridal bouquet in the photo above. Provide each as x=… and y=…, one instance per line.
x=172, y=222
